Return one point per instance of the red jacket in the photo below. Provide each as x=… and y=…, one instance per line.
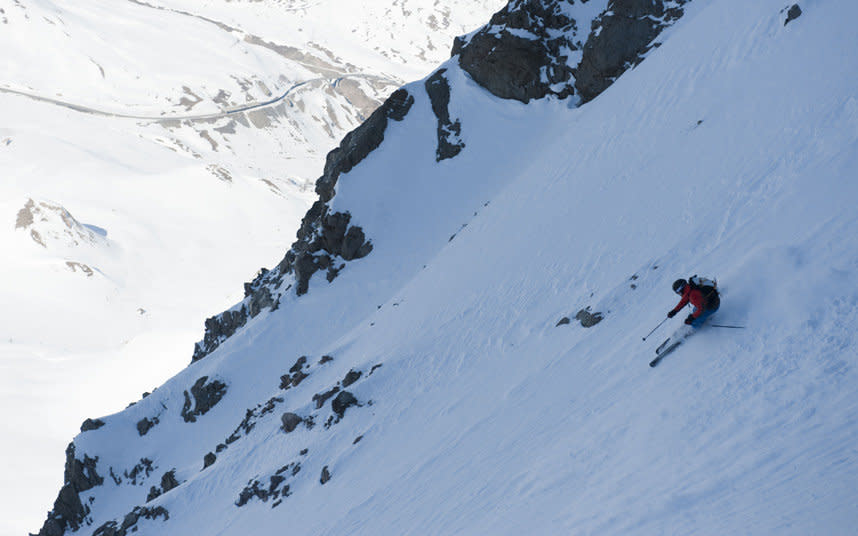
x=695, y=297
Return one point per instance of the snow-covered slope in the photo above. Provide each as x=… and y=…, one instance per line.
x=153, y=157
x=428, y=387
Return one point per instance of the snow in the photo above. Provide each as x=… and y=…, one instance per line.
x=127, y=118
x=721, y=154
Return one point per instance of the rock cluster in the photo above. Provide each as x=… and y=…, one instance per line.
x=204, y=395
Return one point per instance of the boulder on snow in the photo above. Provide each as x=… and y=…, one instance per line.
x=793, y=13
x=587, y=318
x=325, y=476
x=343, y=401
x=290, y=421
x=209, y=459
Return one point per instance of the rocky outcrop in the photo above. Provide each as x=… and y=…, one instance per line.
x=91, y=424
x=204, y=395
x=524, y=51
x=69, y=512
x=129, y=522
x=449, y=132
x=146, y=424
x=342, y=402
x=619, y=39
x=534, y=48
x=325, y=240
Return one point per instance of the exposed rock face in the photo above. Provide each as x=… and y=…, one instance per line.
x=325, y=240
x=205, y=396
x=534, y=48
x=91, y=424
x=69, y=512
x=620, y=38
x=209, y=459
x=449, y=131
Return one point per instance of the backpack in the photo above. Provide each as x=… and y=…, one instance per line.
x=708, y=287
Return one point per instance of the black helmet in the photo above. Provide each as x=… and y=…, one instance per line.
x=679, y=285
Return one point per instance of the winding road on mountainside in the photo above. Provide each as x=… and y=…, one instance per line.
x=334, y=76
x=192, y=117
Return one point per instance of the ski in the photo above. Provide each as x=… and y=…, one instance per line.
x=663, y=350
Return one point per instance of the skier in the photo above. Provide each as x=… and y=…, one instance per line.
x=703, y=295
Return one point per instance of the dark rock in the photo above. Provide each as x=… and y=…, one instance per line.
x=218, y=329
x=129, y=522
x=91, y=424
x=69, y=512
x=325, y=359
x=357, y=440
x=290, y=422
x=587, y=318
x=142, y=470
x=145, y=424
x=209, y=459
x=373, y=369
x=343, y=401
x=154, y=493
x=220, y=448
x=562, y=322
x=351, y=377
x=304, y=452
x=205, y=396
x=299, y=364
x=522, y=53
x=619, y=39
x=326, y=475
x=793, y=13
x=449, y=132
x=321, y=398
x=168, y=481
x=322, y=236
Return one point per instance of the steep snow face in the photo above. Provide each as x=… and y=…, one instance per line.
x=427, y=389
x=164, y=152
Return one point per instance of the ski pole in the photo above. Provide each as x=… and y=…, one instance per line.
x=723, y=326
x=655, y=328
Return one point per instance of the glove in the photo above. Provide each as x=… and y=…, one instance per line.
x=671, y=314
x=690, y=319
